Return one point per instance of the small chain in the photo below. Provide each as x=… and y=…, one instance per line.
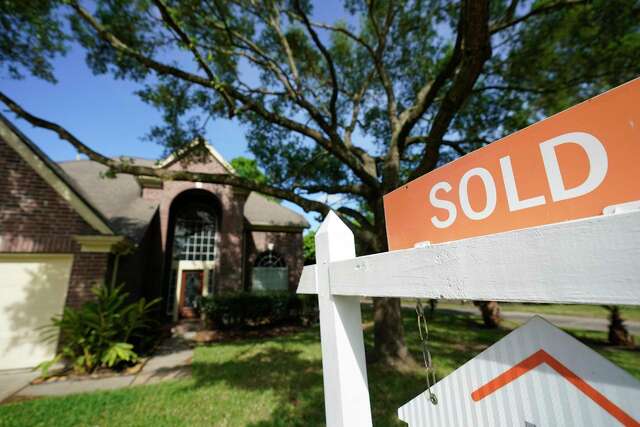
x=426, y=354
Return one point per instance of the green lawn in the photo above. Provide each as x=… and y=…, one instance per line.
x=579, y=310
x=275, y=382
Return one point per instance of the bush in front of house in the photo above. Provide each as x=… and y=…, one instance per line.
x=105, y=332
x=245, y=309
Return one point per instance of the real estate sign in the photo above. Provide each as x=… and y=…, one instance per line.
x=536, y=376
x=569, y=166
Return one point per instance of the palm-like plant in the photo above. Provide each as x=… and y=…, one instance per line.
x=106, y=331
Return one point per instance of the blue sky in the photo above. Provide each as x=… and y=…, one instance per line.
x=107, y=115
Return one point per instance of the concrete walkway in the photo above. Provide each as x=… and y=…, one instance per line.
x=170, y=362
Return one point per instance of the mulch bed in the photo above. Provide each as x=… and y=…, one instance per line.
x=68, y=374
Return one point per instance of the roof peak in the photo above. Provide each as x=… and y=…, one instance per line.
x=180, y=153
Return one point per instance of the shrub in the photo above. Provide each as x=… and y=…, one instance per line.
x=105, y=332
x=244, y=309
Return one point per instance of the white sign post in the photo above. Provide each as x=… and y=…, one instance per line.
x=593, y=260
x=346, y=391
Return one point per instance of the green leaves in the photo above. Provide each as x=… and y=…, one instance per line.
x=248, y=168
x=309, y=247
x=119, y=352
x=31, y=35
x=275, y=76
x=107, y=331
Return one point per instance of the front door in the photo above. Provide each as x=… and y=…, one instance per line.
x=192, y=282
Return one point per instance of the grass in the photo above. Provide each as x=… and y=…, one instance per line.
x=578, y=310
x=274, y=382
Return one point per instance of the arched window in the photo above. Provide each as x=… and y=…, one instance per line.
x=269, y=259
x=195, y=233
x=270, y=272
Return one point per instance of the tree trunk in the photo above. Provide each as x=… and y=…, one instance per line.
x=618, y=333
x=490, y=311
x=388, y=332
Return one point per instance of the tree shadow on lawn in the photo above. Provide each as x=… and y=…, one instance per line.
x=296, y=381
x=290, y=368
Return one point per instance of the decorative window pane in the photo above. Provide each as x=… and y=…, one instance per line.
x=269, y=273
x=194, y=238
x=269, y=259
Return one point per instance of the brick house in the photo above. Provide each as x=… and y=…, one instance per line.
x=64, y=228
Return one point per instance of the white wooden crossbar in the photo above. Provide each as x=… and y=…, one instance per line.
x=594, y=260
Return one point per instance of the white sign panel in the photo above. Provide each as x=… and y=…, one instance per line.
x=537, y=376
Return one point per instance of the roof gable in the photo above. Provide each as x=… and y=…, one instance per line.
x=214, y=157
x=53, y=176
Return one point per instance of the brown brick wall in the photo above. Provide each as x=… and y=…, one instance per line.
x=34, y=218
x=287, y=244
x=231, y=231
x=88, y=270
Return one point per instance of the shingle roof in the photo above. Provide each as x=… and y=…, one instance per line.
x=119, y=200
x=261, y=211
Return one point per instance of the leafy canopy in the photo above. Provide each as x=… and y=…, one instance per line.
x=349, y=109
x=353, y=107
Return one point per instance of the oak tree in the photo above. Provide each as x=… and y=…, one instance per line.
x=355, y=107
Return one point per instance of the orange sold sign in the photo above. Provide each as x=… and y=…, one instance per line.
x=569, y=166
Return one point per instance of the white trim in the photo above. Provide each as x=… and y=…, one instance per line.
x=173, y=157
x=18, y=256
x=149, y=182
x=42, y=169
x=622, y=208
x=101, y=244
x=182, y=265
x=588, y=261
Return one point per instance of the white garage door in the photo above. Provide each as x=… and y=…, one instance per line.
x=33, y=289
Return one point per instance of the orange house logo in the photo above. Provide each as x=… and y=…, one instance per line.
x=537, y=375
x=537, y=359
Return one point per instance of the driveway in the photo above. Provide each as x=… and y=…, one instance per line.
x=12, y=381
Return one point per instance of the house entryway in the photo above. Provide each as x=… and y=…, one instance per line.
x=191, y=289
x=194, y=242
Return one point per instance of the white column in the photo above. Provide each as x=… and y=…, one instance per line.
x=346, y=392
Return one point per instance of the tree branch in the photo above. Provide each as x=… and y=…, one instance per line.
x=504, y=24
x=167, y=17
x=332, y=145
x=363, y=221
x=426, y=139
x=356, y=189
x=327, y=57
x=385, y=80
x=130, y=168
x=274, y=22
x=356, y=107
x=474, y=50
